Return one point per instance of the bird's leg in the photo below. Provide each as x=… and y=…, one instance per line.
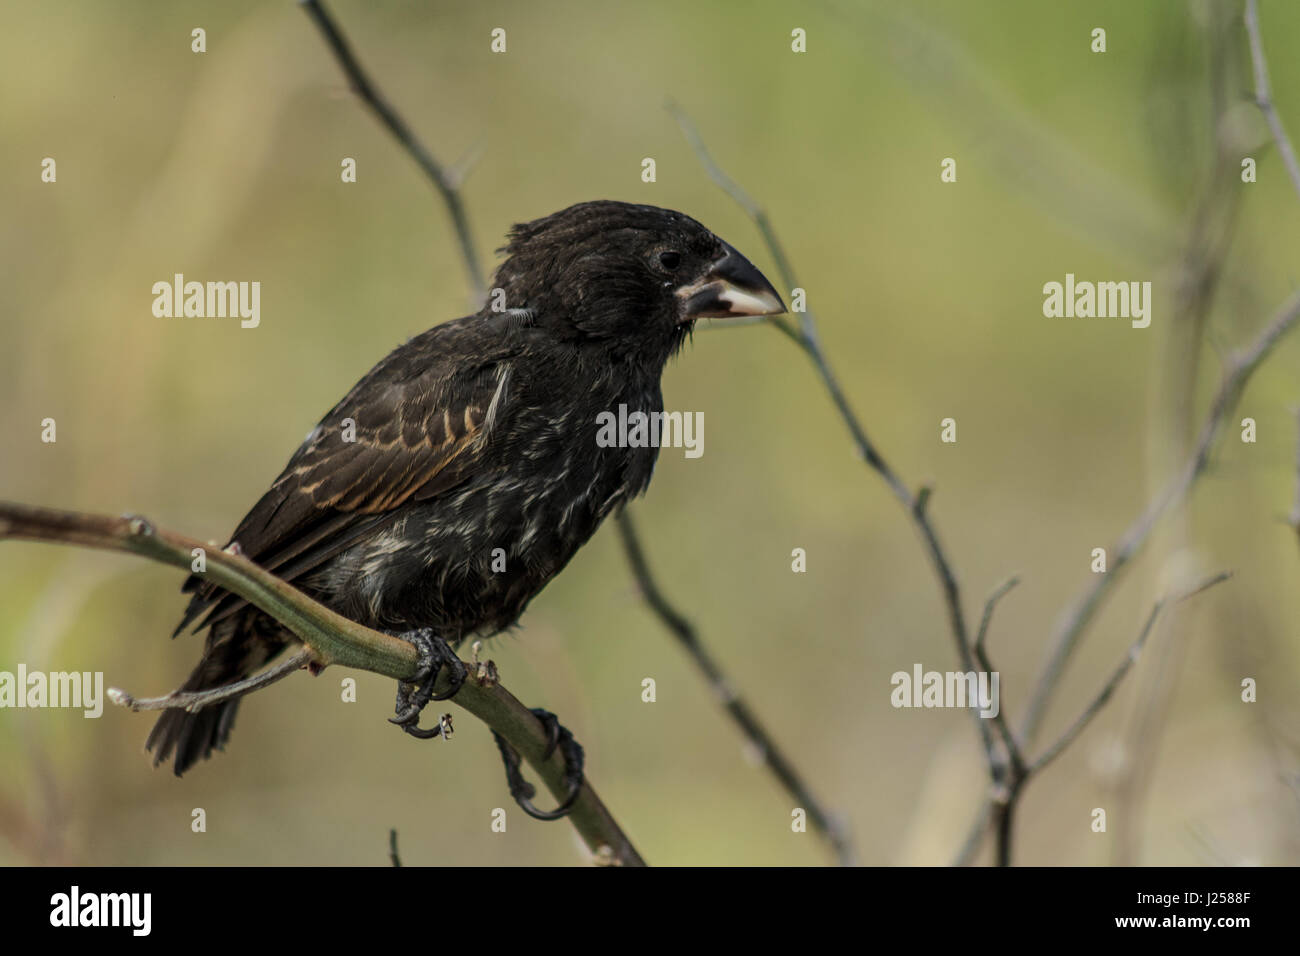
x=413, y=696
x=523, y=791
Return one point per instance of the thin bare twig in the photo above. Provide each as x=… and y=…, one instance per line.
x=1202, y=269
x=806, y=336
x=999, y=592
x=331, y=639
x=1263, y=96
x=1236, y=373
x=1264, y=100
x=180, y=700
x=1008, y=797
x=446, y=181
x=1238, y=369
x=769, y=753
x=1000, y=721
x=1090, y=711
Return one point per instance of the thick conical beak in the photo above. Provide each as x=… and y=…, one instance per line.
x=732, y=287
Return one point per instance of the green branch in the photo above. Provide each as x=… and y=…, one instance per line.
x=332, y=639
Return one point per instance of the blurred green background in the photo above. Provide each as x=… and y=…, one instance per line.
x=1119, y=166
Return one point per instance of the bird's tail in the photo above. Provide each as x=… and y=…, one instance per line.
x=186, y=738
x=236, y=648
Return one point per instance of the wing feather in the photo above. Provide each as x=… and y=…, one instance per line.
x=415, y=427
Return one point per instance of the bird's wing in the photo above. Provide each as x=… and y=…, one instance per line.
x=413, y=428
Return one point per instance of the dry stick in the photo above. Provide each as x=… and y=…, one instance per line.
x=1202, y=271
x=1237, y=372
x=1089, y=712
x=331, y=639
x=806, y=337
x=1263, y=98
x=1006, y=779
x=392, y=849
x=824, y=822
x=197, y=700
x=982, y=658
x=1238, y=368
x=448, y=186
x=1005, y=806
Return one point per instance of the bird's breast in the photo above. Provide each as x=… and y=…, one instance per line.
x=469, y=561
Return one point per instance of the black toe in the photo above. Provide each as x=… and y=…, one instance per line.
x=558, y=737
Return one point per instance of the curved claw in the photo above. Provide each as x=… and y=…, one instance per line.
x=553, y=729
x=457, y=678
x=558, y=813
x=523, y=791
x=407, y=709
x=414, y=696
x=409, y=721
x=404, y=717
x=417, y=731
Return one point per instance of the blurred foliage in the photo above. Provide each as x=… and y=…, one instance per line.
x=225, y=165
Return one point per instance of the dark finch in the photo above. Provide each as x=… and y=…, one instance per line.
x=479, y=434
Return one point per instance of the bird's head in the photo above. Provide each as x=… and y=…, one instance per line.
x=629, y=277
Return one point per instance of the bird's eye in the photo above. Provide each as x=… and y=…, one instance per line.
x=670, y=260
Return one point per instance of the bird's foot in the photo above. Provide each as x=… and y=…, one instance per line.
x=523, y=791
x=414, y=695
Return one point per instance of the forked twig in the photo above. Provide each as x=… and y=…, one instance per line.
x=1238, y=370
